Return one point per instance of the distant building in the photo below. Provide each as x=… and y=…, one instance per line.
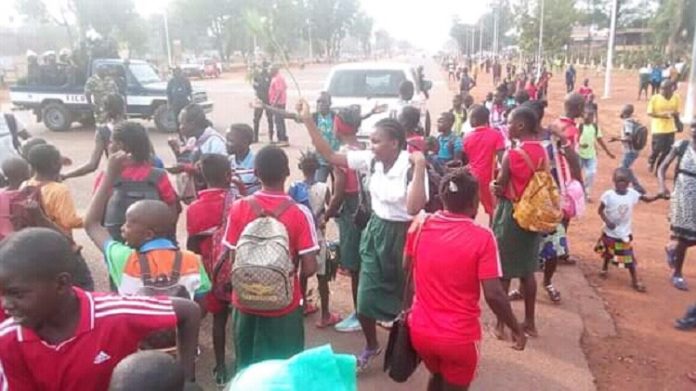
x=590, y=42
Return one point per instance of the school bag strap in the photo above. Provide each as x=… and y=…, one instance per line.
x=528, y=161
x=146, y=274
x=276, y=212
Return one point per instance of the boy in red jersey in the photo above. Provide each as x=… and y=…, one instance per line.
x=62, y=338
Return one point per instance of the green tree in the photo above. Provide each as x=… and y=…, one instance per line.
x=673, y=25
x=362, y=31
x=331, y=21
x=559, y=17
x=206, y=16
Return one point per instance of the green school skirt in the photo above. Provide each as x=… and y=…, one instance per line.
x=518, y=248
x=349, y=234
x=381, y=282
x=259, y=338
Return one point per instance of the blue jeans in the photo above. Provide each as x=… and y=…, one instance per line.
x=627, y=161
x=589, y=169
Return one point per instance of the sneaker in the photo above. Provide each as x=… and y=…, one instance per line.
x=349, y=324
x=680, y=283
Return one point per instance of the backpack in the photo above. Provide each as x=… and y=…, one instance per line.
x=263, y=269
x=161, y=285
x=22, y=202
x=126, y=193
x=435, y=171
x=539, y=207
x=639, y=136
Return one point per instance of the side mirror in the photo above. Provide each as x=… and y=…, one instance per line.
x=427, y=85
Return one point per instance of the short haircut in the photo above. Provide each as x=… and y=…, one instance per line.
x=626, y=172
x=447, y=116
x=114, y=105
x=271, y=165
x=148, y=370
x=324, y=95
x=392, y=129
x=409, y=118
x=31, y=143
x=406, y=90
x=528, y=117
x=537, y=106
x=195, y=115
x=627, y=111
x=458, y=190
x=521, y=96
x=14, y=168
x=245, y=131
x=479, y=115
x=19, y=252
x=44, y=158
x=309, y=161
x=135, y=140
x=215, y=168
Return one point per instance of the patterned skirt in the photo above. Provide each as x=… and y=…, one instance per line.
x=683, y=208
x=617, y=251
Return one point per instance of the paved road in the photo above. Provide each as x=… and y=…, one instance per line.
x=554, y=361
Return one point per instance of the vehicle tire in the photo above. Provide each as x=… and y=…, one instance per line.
x=57, y=117
x=164, y=119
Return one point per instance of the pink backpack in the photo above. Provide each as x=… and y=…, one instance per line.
x=572, y=191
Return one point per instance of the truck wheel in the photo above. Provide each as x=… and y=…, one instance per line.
x=164, y=119
x=56, y=117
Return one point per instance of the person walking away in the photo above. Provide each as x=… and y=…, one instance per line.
x=348, y=187
x=483, y=151
x=268, y=325
x=629, y=129
x=261, y=84
x=277, y=97
x=382, y=243
x=682, y=216
x=590, y=136
x=570, y=77
x=616, y=211
x=316, y=196
x=444, y=320
x=518, y=248
x=574, y=107
x=97, y=88
x=179, y=93
x=656, y=79
x=663, y=109
x=643, y=81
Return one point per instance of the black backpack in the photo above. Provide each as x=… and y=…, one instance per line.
x=639, y=136
x=126, y=193
x=435, y=171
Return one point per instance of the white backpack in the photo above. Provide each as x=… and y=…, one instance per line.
x=263, y=269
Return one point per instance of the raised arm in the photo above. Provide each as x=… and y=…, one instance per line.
x=93, y=226
x=417, y=197
x=323, y=147
x=93, y=163
x=338, y=194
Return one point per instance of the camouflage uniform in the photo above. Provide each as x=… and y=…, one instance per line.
x=99, y=89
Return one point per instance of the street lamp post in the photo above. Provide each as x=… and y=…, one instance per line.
x=540, y=49
x=610, y=50
x=166, y=37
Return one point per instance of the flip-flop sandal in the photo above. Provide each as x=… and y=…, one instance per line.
x=309, y=309
x=333, y=319
x=554, y=295
x=515, y=295
x=366, y=357
x=639, y=287
x=680, y=283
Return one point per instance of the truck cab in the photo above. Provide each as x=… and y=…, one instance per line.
x=146, y=97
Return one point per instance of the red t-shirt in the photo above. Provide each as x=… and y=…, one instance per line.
x=531, y=91
x=448, y=276
x=110, y=328
x=301, y=232
x=520, y=173
x=140, y=172
x=416, y=143
x=585, y=91
x=205, y=215
x=571, y=131
x=481, y=147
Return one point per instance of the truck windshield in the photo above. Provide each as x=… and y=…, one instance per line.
x=144, y=73
x=366, y=83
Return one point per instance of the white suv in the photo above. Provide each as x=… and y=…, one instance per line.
x=375, y=83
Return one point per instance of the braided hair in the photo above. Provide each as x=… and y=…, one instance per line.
x=459, y=190
x=393, y=129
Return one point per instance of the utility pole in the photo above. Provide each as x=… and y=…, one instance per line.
x=496, y=11
x=610, y=50
x=166, y=37
x=309, y=35
x=473, y=40
x=480, y=39
x=688, y=112
x=540, y=52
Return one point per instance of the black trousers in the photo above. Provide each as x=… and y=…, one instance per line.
x=258, y=113
x=661, y=145
x=280, y=125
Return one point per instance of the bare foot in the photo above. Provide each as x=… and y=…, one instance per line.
x=603, y=274
x=530, y=330
x=499, y=332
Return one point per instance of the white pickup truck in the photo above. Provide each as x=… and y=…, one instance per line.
x=59, y=106
x=370, y=83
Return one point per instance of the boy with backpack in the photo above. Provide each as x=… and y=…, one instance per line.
x=449, y=144
x=634, y=138
x=315, y=195
x=205, y=224
x=63, y=338
x=266, y=233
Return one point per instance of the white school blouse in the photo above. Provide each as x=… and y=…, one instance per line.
x=387, y=190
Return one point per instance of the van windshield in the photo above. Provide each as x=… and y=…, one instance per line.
x=144, y=73
x=366, y=83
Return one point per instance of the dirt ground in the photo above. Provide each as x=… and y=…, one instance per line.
x=647, y=353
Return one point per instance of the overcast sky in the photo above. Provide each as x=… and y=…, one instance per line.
x=425, y=23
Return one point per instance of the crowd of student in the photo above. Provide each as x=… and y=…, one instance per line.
x=252, y=243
